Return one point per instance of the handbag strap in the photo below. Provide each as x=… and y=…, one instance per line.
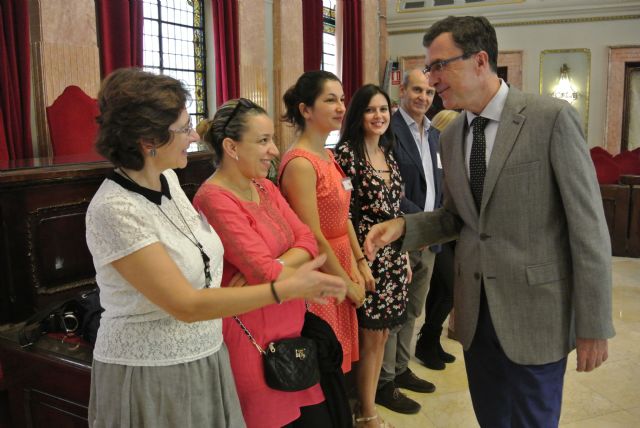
x=249, y=335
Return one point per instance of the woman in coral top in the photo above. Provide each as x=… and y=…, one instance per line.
x=319, y=192
x=264, y=239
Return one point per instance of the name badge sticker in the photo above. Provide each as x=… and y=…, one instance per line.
x=438, y=161
x=346, y=184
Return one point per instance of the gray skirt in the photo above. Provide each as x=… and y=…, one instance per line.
x=201, y=393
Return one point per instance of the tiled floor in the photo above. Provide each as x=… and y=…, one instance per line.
x=606, y=397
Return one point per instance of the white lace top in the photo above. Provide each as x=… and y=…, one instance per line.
x=133, y=331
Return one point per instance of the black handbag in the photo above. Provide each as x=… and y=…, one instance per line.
x=289, y=364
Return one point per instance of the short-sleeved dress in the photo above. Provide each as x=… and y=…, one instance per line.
x=333, y=210
x=254, y=235
x=386, y=306
x=150, y=369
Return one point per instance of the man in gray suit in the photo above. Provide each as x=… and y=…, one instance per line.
x=533, y=258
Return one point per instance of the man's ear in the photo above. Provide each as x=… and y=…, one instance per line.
x=482, y=59
x=402, y=91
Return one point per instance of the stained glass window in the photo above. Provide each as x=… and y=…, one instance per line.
x=329, y=62
x=174, y=45
x=329, y=52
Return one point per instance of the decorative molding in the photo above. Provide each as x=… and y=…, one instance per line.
x=35, y=219
x=423, y=27
x=567, y=20
x=486, y=3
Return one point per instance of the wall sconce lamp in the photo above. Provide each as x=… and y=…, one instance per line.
x=565, y=89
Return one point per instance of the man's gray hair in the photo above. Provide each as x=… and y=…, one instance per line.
x=405, y=76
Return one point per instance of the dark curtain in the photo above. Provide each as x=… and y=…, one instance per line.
x=351, y=48
x=312, y=27
x=15, y=81
x=120, y=25
x=4, y=150
x=225, y=29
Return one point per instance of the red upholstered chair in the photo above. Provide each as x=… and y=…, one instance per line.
x=72, y=122
x=628, y=162
x=607, y=170
x=597, y=150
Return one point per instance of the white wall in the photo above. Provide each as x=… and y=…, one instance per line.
x=532, y=39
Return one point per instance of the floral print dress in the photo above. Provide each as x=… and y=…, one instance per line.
x=386, y=306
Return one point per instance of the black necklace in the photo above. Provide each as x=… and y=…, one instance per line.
x=194, y=241
x=379, y=171
x=205, y=258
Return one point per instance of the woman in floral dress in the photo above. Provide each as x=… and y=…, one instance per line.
x=365, y=155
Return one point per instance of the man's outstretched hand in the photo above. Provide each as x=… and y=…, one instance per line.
x=383, y=234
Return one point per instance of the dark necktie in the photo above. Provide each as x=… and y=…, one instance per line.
x=477, y=160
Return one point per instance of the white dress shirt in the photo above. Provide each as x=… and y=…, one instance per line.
x=422, y=142
x=492, y=111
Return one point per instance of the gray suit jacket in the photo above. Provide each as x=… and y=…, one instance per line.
x=539, y=243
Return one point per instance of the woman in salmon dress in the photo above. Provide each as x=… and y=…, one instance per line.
x=319, y=192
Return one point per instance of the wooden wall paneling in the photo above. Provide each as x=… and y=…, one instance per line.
x=42, y=236
x=46, y=388
x=633, y=242
x=56, y=241
x=616, y=200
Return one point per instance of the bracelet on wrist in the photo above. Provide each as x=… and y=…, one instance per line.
x=273, y=291
x=361, y=259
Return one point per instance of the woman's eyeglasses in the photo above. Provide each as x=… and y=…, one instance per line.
x=185, y=129
x=248, y=104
